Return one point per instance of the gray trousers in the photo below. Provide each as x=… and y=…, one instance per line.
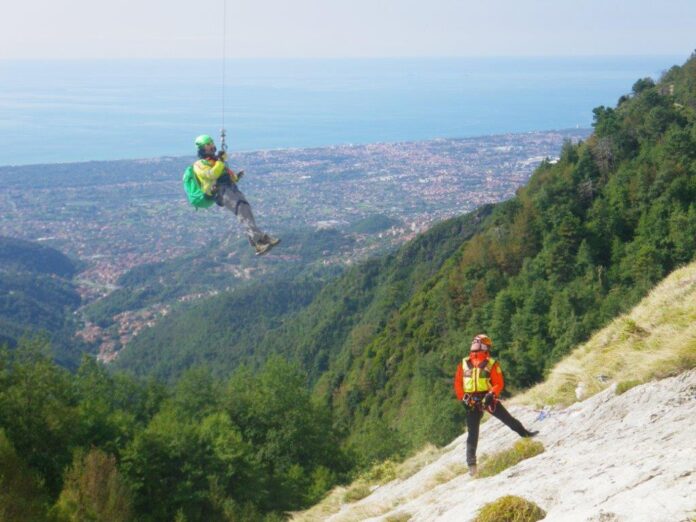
x=230, y=197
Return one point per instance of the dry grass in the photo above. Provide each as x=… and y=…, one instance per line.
x=654, y=340
x=328, y=506
x=522, y=449
x=510, y=509
x=357, y=491
x=447, y=474
x=624, y=386
x=378, y=475
x=414, y=464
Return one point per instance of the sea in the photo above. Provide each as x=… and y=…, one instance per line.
x=65, y=111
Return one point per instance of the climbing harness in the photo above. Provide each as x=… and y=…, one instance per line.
x=475, y=401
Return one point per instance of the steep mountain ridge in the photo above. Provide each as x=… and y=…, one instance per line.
x=583, y=242
x=626, y=453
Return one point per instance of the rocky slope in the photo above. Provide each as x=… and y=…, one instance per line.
x=630, y=457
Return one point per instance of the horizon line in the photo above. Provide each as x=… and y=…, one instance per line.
x=318, y=58
x=299, y=148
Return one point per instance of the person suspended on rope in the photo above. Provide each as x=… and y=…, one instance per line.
x=210, y=181
x=478, y=383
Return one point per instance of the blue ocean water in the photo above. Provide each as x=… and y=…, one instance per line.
x=95, y=110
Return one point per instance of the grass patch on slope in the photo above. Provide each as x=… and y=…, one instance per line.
x=656, y=339
x=510, y=509
x=366, y=482
x=624, y=386
x=523, y=449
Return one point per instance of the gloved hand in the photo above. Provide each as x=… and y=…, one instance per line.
x=489, y=399
x=222, y=155
x=240, y=174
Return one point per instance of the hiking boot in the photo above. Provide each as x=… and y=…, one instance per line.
x=473, y=470
x=264, y=245
x=529, y=434
x=273, y=241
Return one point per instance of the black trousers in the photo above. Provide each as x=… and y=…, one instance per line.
x=473, y=422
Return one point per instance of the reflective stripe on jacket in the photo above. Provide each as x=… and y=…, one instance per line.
x=479, y=361
x=477, y=377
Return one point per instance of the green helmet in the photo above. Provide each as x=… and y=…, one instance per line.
x=203, y=140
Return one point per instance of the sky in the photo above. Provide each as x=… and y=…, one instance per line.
x=173, y=29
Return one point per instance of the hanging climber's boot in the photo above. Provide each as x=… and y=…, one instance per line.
x=264, y=245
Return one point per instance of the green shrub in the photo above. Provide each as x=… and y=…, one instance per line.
x=357, y=492
x=510, y=509
x=624, y=386
x=523, y=449
x=22, y=496
x=381, y=473
x=94, y=490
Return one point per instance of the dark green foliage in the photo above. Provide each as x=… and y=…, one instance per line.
x=38, y=410
x=219, y=333
x=26, y=256
x=47, y=412
x=36, y=300
x=22, y=497
x=94, y=490
x=37, y=296
x=374, y=223
x=292, y=437
x=104, y=444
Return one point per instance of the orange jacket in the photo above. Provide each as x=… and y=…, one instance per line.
x=476, y=358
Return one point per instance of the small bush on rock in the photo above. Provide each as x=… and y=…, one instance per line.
x=510, y=509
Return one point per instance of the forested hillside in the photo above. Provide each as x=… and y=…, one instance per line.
x=37, y=296
x=288, y=315
x=582, y=242
x=26, y=256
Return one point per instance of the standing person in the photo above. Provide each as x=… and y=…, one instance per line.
x=478, y=384
x=209, y=180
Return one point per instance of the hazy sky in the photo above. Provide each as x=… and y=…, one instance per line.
x=344, y=28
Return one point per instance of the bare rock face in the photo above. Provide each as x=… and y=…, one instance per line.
x=630, y=457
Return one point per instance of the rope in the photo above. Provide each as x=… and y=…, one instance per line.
x=223, y=145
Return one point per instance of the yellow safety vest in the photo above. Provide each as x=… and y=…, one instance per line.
x=477, y=378
x=207, y=172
